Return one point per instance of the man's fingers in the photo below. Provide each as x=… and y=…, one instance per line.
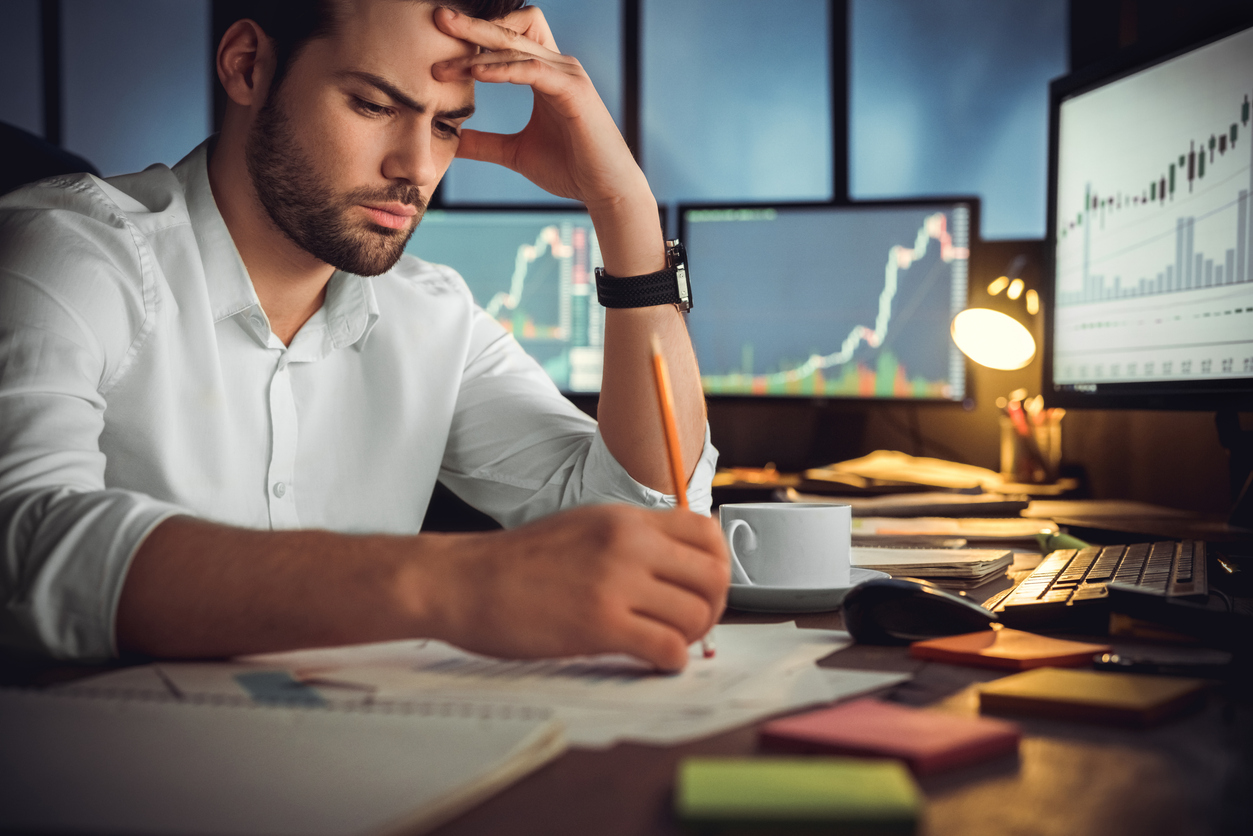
x=695, y=530
x=693, y=570
x=510, y=67
x=485, y=147
x=491, y=35
x=655, y=643
x=676, y=607
x=531, y=23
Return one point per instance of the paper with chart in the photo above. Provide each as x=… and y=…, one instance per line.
x=759, y=669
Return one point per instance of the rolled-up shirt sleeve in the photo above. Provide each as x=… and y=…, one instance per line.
x=68, y=320
x=519, y=450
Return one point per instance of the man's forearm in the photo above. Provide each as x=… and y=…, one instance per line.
x=598, y=579
x=196, y=589
x=632, y=244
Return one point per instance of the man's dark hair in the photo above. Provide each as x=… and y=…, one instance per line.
x=290, y=24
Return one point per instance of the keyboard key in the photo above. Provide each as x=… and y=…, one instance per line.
x=1103, y=568
x=1091, y=592
x=1183, y=574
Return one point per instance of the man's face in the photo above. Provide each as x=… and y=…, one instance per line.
x=345, y=154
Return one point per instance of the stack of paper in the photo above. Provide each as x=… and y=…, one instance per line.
x=921, y=531
x=957, y=568
x=926, y=504
x=894, y=466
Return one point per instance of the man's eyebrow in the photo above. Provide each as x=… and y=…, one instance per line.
x=400, y=97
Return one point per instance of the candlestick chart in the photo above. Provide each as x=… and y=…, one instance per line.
x=1154, y=228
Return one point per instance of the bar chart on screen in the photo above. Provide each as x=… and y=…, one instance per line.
x=1154, y=236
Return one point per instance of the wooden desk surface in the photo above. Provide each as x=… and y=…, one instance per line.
x=1193, y=775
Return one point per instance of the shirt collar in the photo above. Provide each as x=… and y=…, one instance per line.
x=350, y=309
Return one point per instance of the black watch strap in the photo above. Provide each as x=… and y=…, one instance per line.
x=670, y=286
x=660, y=288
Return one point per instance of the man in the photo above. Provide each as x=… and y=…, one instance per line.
x=217, y=437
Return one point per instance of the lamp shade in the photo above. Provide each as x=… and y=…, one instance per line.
x=993, y=339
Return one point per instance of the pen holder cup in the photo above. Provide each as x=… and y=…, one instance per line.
x=1035, y=459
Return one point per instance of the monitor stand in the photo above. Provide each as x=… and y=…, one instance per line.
x=1239, y=445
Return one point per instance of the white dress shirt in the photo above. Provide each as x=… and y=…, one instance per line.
x=139, y=379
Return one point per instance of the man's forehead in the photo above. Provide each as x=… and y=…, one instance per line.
x=397, y=40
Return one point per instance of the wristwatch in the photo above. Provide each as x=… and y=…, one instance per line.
x=665, y=287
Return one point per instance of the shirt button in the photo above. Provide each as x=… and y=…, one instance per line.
x=258, y=322
x=279, y=489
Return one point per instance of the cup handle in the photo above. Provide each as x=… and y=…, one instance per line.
x=738, y=575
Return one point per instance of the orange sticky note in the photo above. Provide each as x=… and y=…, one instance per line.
x=1008, y=649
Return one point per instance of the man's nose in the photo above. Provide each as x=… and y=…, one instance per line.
x=411, y=159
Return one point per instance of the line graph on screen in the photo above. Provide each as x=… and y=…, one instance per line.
x=862, y=366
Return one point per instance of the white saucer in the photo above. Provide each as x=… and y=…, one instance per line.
x=788, y=599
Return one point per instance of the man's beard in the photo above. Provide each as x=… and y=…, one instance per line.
x=309, y=213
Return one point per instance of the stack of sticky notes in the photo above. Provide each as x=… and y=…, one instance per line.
x=1006, y=648
x=1127, y=699
x=926, y=741
x=845, y=795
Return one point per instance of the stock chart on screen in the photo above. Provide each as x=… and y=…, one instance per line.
x=829, y=301
x=532, y=271
x=1154, y=228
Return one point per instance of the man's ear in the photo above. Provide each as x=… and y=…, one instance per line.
x=245, y=63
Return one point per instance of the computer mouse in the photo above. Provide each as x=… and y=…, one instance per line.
x=903, y=610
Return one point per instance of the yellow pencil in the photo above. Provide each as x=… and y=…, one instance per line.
x=665, y=397
x=674, y=453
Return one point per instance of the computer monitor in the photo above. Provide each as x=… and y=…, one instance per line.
x=830, y=301
x=1151, y=233
x=530, y=269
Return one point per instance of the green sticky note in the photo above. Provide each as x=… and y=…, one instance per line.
x=863, y=796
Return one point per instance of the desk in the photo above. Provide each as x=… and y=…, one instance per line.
x=1192, y=775
x=1184, y=777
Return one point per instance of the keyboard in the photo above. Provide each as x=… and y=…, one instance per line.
x=1070, y=588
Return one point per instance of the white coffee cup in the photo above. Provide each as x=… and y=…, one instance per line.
x=785, y=544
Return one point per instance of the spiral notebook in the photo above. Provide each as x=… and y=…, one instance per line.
x=109, y=762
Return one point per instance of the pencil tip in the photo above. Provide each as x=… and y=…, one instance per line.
x=656, y=343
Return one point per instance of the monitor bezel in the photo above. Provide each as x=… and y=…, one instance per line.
x=967, y=400
x=1183, y=395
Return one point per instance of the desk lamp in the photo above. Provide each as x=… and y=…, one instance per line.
x=999, y=332
x=996, y=336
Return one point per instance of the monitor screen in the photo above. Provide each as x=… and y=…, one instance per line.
x=531, y=270
x=849, y=301
x=1151, y=233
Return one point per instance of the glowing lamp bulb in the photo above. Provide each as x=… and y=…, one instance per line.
x=993, y=339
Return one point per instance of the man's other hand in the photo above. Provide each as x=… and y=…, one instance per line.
x=571, y=146
x=599, y=579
